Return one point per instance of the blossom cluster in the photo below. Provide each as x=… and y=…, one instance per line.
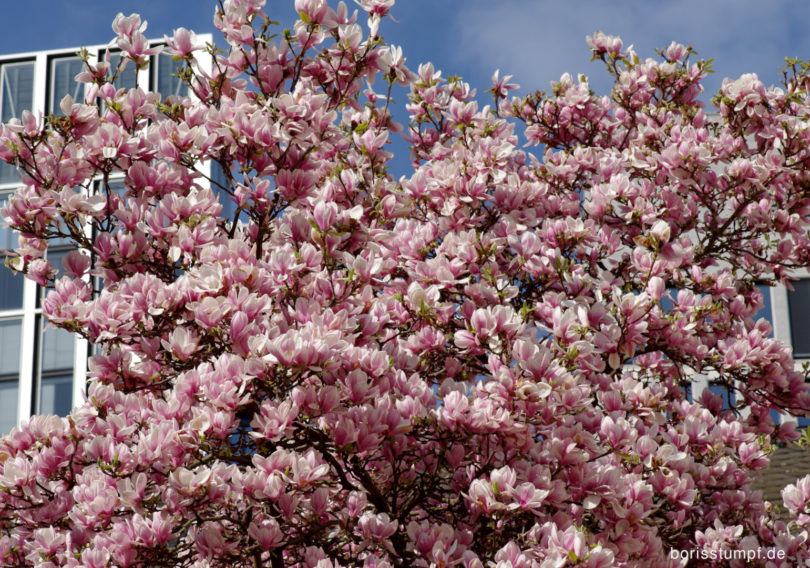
x=484, y=363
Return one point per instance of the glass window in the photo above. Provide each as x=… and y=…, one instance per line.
x=799, y=310
x=11, y=287
x=116, y=185
x=11, y=284
x=57, y=349
x=16, y=95
x=61, y=241
x=63, y=71
x=117, y=195
x=18, y=89
x=167, y=78
x=9, y=173
x=10, y=335
x=8, y=405
x=56, y=396
x=56, y=370
x=127, y=78
x=8, y=238
x=55, y=256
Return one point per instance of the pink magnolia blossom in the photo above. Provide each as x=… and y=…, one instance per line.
x=182, y=42
x=483, y=362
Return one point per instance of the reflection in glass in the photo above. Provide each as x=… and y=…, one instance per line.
x=127, y=78
x=63, y=82
x=11, y=284
x=57, y=349
x=168, y=81
x=16, y=95
x=62, y=228
x=55, y=257
x=8, y=405
x=56, y=370
x=116, y=186
x=11, y=287
x=10, y=334
x=56, y=395
x=799, y=308
x=9, y=173
x=17, y=89
x=8, y=238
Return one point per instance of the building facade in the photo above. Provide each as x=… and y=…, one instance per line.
x=43, y=369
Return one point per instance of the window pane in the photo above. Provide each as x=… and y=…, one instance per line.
x=11, y=287
x=57, y=349
x=63, y=82
x=11, y=284
x=61, y=241
x=116, y=186
x=126, y=78
x=8, y=405
x=10, y=332
x=799, y=308
x=9, y=173
x=56, y=370
x=55, y=257
x=17, y=95
x=18, y=89
x=56, y=396
x=8, y=238
x=168, y=82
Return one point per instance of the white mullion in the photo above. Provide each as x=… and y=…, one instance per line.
x=28, y=366
x=205, y=65
x=780, y=314
x=142, y=79
x=81, y=345
x=780, y=321
x=79, y=370
x=700, y=383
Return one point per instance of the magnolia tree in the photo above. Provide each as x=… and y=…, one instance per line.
x=483, y=363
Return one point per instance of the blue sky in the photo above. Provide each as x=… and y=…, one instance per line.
x=535, y=40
